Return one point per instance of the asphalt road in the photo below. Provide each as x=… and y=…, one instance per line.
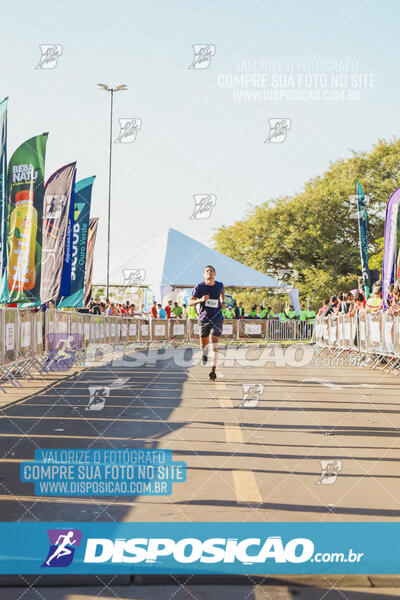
x=248, y=459
x=259, y=462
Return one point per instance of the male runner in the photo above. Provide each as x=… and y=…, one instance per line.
x=210, y=295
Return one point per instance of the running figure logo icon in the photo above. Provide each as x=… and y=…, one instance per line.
x=251, y=394
x=354, y=210
x=98, y=397
x=203, y=205
x=63, y=543
x=50, y=53
x=128, y=129
x=278, y=129
x=134, y=277
x=329, y=471
x=203, y=54
x=53, y=205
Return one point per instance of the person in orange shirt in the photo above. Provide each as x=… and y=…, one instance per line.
x=168, y=309
x=358, y=305
x=154, y=311
x=323, y=308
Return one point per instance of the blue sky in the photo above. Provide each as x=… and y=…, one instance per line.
x=197, y=136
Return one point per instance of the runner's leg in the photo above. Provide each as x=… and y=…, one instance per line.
x=204, y=344
x=205, y=330
x=214, y=347
x=216, y=332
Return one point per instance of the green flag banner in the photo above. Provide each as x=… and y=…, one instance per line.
x=363, y=237
x=25, y=187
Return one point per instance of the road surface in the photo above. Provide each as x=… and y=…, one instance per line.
x=247, y=460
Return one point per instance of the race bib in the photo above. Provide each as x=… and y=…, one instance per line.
x=212, y=303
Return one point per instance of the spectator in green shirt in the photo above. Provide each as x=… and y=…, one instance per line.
x=241, y=310
x=270, y=313
x=263, y=312
x=282, y=315
x=291, y=313
x=303, y=313
x=192, y=314
x=253, y=312
x=177, y=310
x=311, y=315
x=228, y=314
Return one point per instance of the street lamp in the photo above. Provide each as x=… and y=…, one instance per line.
x=118, y=88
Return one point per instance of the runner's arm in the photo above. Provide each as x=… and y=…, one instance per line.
x=193, y=300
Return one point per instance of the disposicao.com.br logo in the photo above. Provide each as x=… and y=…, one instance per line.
x=221, y=551
x=247, y=551
x=300, y=355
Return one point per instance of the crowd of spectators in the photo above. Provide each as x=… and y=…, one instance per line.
x=260, y=312
x=355, y=302
x=351, y=303
x=116, y=309
x=174, y=310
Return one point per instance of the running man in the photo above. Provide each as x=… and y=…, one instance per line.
x=210, y=294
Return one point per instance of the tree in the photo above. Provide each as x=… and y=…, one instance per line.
x=375, y=261
x=316, y=232
x=98, y=292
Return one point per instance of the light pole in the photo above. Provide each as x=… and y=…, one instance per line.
x=118, y=88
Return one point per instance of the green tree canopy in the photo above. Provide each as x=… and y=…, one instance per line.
x=314, y=234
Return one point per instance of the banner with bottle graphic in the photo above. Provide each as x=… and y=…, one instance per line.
x=89, y=259
x=25, y=187
x=56, y=208
x=3, y=190
x=83, y=197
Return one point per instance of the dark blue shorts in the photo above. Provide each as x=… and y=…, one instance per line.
x=210, y=327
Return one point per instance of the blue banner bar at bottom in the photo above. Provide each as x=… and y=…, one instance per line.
x=200, y=548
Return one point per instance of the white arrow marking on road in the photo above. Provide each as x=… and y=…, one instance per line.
x=323, y=382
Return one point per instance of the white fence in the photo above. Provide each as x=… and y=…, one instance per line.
x=24, y=332
x=29, y=339
x=373, y=335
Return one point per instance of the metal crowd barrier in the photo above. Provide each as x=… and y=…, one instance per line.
x=263, y=329
x=367, y=339
x=36, y=342
x=288, y=330
x=21, y=334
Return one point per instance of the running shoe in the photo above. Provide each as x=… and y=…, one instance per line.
x=213, y=375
